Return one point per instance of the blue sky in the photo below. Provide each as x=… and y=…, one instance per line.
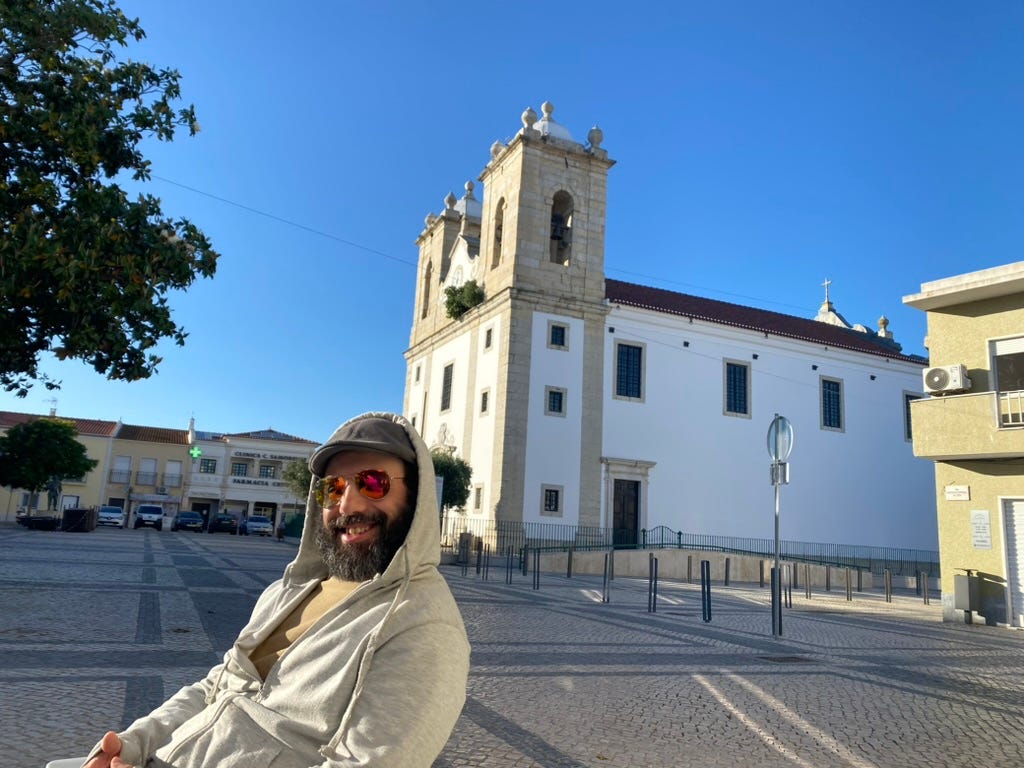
x=761, y=148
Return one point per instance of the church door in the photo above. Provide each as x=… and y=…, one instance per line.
x=626, y=514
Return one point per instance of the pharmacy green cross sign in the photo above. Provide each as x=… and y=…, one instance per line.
x=195, y=451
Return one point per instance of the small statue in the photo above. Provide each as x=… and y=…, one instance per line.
x=53, y=489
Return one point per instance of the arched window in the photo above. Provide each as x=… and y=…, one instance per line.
x=561, y=228
x=427, y=276
x=499, y=223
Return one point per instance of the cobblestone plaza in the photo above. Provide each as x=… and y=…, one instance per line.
x=97, y=628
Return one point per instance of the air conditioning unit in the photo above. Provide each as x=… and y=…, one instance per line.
x=946, y=379
x=161, y=489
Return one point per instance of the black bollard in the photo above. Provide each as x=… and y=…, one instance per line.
x=705, y=589
x=652, y=584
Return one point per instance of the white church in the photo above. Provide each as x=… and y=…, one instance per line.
x=585, y=401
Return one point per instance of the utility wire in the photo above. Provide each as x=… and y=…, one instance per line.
x=289, y=222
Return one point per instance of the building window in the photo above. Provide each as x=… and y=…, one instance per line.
x=554, y=401
x=268, y=470
x=417, y=375
x=629, y=371
x=499, y=226
x=485, y=398
x=908, y=398
x=488, y=338
x=1008, y=363
x=147, y=472
x=428, y=276
x=207, y=466
x=832, y=404
x=558, y=335
x=737, y=388
x=239, y=469
x=478, y=497
x=446, y=387
x=551, y=500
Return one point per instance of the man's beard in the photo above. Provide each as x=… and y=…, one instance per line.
x=360, y=562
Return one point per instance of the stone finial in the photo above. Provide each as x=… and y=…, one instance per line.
x=529, y=117
x=496, y=149
x=883, y=323
x=430, y=219
x=595, y=137
x=449, y=201
x=469, y=187
x=548, y=109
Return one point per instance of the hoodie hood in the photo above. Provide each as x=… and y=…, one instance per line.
x=422, y=547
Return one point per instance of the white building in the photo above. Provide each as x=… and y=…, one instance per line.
x=586, y=401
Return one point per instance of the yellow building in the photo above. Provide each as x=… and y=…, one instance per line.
x=972, y=426
x=86, y=491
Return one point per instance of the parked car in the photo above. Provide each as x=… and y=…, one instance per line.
x=258, y=524
x=111, y=516
x=188, y=521
x=149, y=514
x=224, y=522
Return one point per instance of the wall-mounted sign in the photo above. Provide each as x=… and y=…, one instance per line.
x=958, y=493
x=981, y=529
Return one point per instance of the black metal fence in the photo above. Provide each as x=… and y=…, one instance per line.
x=501, y=536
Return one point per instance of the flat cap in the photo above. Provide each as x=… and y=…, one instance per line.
x=366, y=434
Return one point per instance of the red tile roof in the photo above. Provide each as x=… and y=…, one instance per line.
x=750, y=318
x=152, y=434
x=91, y=427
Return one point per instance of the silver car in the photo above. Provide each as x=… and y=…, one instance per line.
x=111, y=516
x=257, y=524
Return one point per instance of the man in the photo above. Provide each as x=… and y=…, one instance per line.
x=356, y=657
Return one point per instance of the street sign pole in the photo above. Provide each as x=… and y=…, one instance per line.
x=780, y=443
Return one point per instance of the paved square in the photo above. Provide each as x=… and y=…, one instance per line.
x=99, y=627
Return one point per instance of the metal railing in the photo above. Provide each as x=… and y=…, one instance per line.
x=500, y=536
x=1011, y=409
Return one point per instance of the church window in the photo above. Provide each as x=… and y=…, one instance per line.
x=908, y=398
x=629, y=371
x=561, y=228
x=499, y=226
x=832, y=404
x=737, y=388
x=485, y=401
x=554, y=401
x=558, y=335
x=488, y=338
x=446, y=387
x=551, y=500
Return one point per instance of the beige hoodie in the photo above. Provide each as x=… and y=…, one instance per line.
x=378, y=680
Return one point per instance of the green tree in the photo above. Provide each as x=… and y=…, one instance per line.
x=84, y=271
x=296, y=476
x=456, y=473
x=458, y=301
x=40, y=452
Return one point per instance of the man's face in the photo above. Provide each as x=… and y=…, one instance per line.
x=359, y=535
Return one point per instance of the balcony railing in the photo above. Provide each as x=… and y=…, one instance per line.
x=1011, y=409
x=145, y=478
x=172, y=481
x=120, y=476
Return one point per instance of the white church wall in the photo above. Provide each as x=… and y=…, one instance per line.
x=481, y=453
x=553, y=441
x=861, y=485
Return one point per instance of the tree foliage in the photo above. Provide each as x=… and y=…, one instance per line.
x=34, y=453
x=84, y=271
x=458, y=301
x=296, y=476
x=457, y=474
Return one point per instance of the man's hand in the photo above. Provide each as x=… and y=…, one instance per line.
x=109, y=756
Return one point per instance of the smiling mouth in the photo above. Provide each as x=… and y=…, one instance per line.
x=357, y=531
